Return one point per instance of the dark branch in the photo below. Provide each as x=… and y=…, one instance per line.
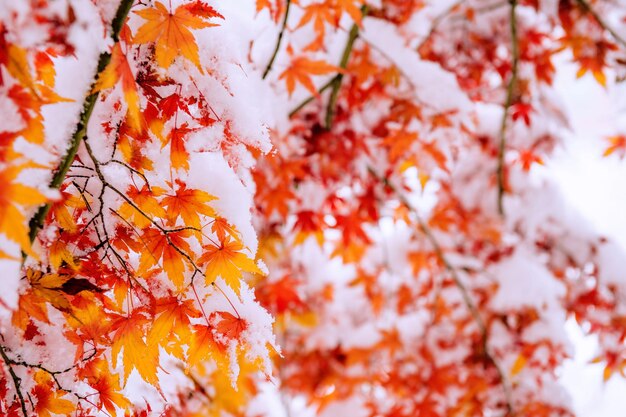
x=278, y=42
x=38, y=219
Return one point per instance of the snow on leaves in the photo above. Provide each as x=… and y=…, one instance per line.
x=136, y=268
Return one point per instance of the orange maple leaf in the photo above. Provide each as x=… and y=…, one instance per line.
x=617, y=145
x=13, y=198
x=222, y=228
x=188, y=204
x=171, y=31
x=107, y=385
x=202, y=345
x=119, y=70
x=48, y=398
x=129, y=332
x=173, y=317
x=301, y=70
x=145, y=200
x=179, y=157
x=229, y=326
x=228, y=262
x=166, y=247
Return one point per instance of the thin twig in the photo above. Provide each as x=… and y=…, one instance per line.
x=38, y=219
x=510, y=90
x=278, y=42
x=311, y=98
x=336, y=82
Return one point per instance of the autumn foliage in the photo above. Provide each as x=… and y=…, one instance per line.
x=340, y=203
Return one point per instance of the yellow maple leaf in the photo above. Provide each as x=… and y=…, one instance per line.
x=228, y=262
x=202, y=346
x=17, y=65
x=136, y=352
x=173, y=317
x=518, y=365
x=13, y=198
x=171, y=31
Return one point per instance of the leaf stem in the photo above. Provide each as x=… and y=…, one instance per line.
x=278, y=42
x=36, y=222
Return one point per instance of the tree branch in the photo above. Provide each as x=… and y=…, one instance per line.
x=16, y=380
x=467, y=299
x=335, y=83
x=278, y=42
x=311, y=98
x=38, y=219
x=510, y=90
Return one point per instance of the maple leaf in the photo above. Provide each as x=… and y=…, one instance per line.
x=179, y=157
x=12, y=196
x=171, y=31
x=301, y=70
x=166, y=247
x=49, y=399
x=87, y=318
x=172, y=317
x=107, y=385
x=275, y=10
x=61, y=213
x=527, y=158
x=349, y=7
x=522, y=111
x=129, y=336
x=49, y=288
x=222, y=228
x=308, y=223
x=320, y=14
x=188, y=204
x=617, y=145
x=202, y=345
x=15, y=60
x=145, y=200
x=228, y=325
x=399, y=142
x=228, y=262
x=281, y=296
x=30, y=306
x=119, y=70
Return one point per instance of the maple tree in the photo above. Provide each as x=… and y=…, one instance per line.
x=341, y=197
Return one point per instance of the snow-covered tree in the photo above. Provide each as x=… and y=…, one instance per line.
x=344, y=198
